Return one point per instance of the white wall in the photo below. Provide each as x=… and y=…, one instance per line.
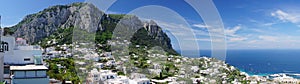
x=11, y=43
x=17, y=57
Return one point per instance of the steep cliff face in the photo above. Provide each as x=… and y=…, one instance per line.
x=156, y=32
x=84, y=16
x=34, y=27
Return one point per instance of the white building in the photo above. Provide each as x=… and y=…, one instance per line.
x=19, y=54
x=94, y=77
x=283, y=78
x=107, y=74
x=139, y=81
x=118, y=80
x=195, y=69
x=136, y=78
x=29, y=74
x=99, y=65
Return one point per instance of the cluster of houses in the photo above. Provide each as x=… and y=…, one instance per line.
x=108, y=77
x=274, y=78
x=211, y=68
x=23, y=64
x=99, y=74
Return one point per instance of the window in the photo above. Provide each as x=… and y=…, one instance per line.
x=112, y=77
x=6, y=70
x=26, y=59
x=41, y=73
x=38, y=60
x=19, y=74
x=30, y=73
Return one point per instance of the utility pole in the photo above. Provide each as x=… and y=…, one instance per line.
x=1, y=56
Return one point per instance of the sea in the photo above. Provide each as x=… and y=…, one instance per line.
x=262, y=62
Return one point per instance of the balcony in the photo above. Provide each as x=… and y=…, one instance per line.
x=36, y=77
x=30, y=80
x=24, y=77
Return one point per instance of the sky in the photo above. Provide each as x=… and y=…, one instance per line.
x=248, y=24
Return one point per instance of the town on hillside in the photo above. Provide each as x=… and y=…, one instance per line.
x=150, y=42
x=78, y=64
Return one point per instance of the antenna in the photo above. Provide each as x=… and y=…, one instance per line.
x=1, y=57
x=1, y=46
x=1, y=30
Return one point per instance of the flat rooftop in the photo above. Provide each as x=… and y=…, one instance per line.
x=29, y=67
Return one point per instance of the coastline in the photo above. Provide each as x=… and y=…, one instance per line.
x=262, y=62
x=273, y=75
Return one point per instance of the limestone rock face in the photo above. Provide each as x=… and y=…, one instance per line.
x=42, y=24
x=35, y=27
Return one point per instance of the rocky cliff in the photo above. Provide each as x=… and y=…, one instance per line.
x=35, y=27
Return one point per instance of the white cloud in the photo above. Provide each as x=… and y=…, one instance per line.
x=271, y=42
x=269, y=24
x=258, y=30
x=262, y=23
x=229, y=32
x=201, y=39
x=232, y=31
x=232, y=36
x=286, y=17
x=204, y=39
x=235, y=39
x=252, y=41
x=201, y=25
x=268, y=38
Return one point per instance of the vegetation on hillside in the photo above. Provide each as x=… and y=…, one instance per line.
x=65, y=72
x=65, y=36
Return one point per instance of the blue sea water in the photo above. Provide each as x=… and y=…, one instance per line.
x=262, y=62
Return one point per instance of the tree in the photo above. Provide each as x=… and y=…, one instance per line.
x=121, y=73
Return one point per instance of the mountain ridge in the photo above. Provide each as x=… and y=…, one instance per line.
x=35, y=27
